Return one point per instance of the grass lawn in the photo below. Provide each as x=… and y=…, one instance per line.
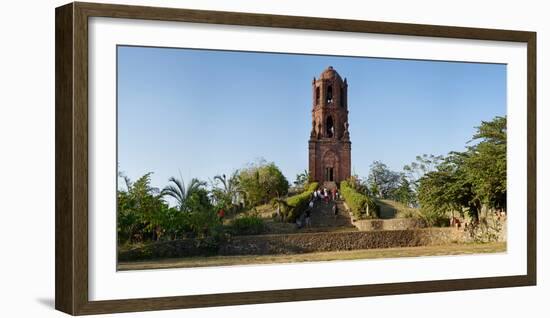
x=438, y=250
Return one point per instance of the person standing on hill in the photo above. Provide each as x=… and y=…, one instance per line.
x=308, y=217
x=221, y=215
x=335, y=209
x=299, y=222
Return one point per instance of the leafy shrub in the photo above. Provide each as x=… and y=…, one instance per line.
x=201, y=224
x=140, y=209
x=262, y=182
x=360, y=204
x=247, y=225
x=408, y=213
x=434, y=218
x=299, y=203
x=212, y=243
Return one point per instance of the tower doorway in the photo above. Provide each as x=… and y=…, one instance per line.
x=329, y=174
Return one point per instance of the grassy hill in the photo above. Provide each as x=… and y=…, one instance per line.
x=392, y=209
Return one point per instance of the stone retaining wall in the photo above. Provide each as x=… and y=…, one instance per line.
x=338, y=241
x=389, y=224
x=298, y=243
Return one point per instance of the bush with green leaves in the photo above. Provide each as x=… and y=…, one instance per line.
x=201, y=220
x=434, y=217
x=247, y=225
x=144, y=215
x=299, y=203
x=361, y=205
x=262, y=181
x=139, y=211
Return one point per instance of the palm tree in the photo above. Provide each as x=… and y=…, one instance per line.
x=229, y=187
x=179, y=192
x=302, y=179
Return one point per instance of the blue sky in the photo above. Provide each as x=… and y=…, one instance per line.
x=202, y=113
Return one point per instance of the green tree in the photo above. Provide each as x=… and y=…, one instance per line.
x=172, y=222
x=467, y=181
x=486, y=163
x=382, y=180
x=447, y=189
x=374, y=190
x=227, y=192
x=404, y=193
x=360, y=185
x=180, y=193
x=139, y=210
x=417, y=169
x=201, y=219
x=262, y=182
x=301, y=179
x=194, y=213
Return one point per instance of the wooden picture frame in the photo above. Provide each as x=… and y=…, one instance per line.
x=71, y=155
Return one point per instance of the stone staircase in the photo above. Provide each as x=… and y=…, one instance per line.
x=322, y=218
x=329, y=185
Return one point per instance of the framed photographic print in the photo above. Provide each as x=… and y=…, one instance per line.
x=210, y=158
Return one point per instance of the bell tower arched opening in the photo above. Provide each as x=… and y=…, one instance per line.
x=330, y=127
x=329, y=94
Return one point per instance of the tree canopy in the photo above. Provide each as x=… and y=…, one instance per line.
x=382, y=180
x=467, y=181
x=462, y=182
x=261, y=182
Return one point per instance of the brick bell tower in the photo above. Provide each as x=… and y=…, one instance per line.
x=329, y=142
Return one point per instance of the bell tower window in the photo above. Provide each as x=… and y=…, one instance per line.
x=329, y=95
x=330, y=127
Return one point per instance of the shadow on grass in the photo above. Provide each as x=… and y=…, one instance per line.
x=386, y=211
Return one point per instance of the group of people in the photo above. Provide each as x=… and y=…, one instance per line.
x=325, y=195
x=322, y=195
